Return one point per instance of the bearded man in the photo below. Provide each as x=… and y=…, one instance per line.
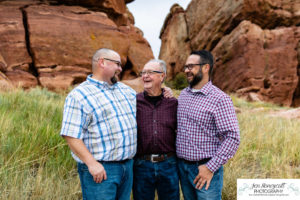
x=99, y=125
x=207, y=131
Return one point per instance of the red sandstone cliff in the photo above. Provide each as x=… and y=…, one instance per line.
x=51, y=43
x=255, y=44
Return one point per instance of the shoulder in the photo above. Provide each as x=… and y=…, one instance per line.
x=126, y=88
x=80, y=92
x=184, y=92
x=140, y=95
x=220, y=96
x=171, y=100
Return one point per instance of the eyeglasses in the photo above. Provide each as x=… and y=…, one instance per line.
x=115, y=61
x=142, y=73
x=191, y=66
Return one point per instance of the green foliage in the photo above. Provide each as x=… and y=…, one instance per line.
x=179, y=82
x=35, y=162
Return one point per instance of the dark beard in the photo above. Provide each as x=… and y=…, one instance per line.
x=197, y=78
x=113, y=80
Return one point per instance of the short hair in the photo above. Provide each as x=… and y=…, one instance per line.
x=162, y=64
x=100, y=53
x=205, y=57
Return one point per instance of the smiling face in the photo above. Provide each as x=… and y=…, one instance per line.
x=153, y=79
x=112, y=67
x=194, y=75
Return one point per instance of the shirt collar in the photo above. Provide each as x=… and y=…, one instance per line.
x=147, y=96
x=204, y=90
x=98, y=83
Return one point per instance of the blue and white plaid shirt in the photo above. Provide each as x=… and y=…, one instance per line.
x=104, y=117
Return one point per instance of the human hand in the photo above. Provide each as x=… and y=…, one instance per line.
x=97, y=171
x=168, y=92
x=204, y=176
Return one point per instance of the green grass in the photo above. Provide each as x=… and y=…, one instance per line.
x=35, y=162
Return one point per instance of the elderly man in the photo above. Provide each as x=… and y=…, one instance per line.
x=155, y=165
x=208, y=131
x=99, y=125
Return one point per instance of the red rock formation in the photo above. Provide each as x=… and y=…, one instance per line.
x=52, y=45
x=254, y=42
x=250, y=59
x=175, y=46
x=13, y=46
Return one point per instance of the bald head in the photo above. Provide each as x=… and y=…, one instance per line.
x=101, y=53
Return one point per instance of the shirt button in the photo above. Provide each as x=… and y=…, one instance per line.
x=155, y=144
x=155, y=132
x=154, y=121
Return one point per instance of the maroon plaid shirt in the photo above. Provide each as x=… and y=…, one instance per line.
x=156, y=125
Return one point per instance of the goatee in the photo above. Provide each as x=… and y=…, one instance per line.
x=197, y=78
x=114, y=80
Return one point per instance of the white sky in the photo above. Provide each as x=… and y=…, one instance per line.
x=149, y=16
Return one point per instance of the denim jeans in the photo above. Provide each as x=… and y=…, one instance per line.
x=187, y=174
x=117, y=185
x=148, y=176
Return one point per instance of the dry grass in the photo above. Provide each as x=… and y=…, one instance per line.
x=35, y=162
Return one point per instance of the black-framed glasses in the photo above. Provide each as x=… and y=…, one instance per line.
x=143, y=73
x=115, y=61
x=191, y=66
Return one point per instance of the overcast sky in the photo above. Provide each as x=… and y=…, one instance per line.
x=149, y=16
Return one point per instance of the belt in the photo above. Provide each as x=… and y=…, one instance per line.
x=200, y=162
x=117, y=161
x=156, y=157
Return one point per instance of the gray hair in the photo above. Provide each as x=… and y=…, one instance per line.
x=100, y=53
x=162, y=64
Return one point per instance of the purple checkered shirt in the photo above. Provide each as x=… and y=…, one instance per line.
x=156, y=125
x=207, y=126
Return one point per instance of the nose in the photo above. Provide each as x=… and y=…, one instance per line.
x=120, y=68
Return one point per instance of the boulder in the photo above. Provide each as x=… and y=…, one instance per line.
x=52, y=45
x=209, y=21
x=136, y=84
x=175, y=46
x=116, y=10
x=5, y=84
x=263, y=60
x=14, y=56
x=255, y=44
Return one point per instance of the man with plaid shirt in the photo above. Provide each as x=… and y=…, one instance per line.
x=99, y=125
x=207, y=131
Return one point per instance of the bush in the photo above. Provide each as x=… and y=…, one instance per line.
x=179, y=82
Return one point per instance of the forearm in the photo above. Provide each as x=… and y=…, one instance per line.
x=79, y=149
x=226, y=151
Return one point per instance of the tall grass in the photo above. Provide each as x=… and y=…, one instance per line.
x=270, y=147
x=35, y=162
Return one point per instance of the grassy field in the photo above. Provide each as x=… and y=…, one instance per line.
x=35, y=162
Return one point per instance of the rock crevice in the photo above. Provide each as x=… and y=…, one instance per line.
x=32, y=68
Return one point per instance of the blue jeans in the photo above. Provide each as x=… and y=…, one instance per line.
x=117, y=185
x=187, y=174
x=148, y=176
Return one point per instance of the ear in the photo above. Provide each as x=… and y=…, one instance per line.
x=205, y=68
x=163, y=77
x=101, y=63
